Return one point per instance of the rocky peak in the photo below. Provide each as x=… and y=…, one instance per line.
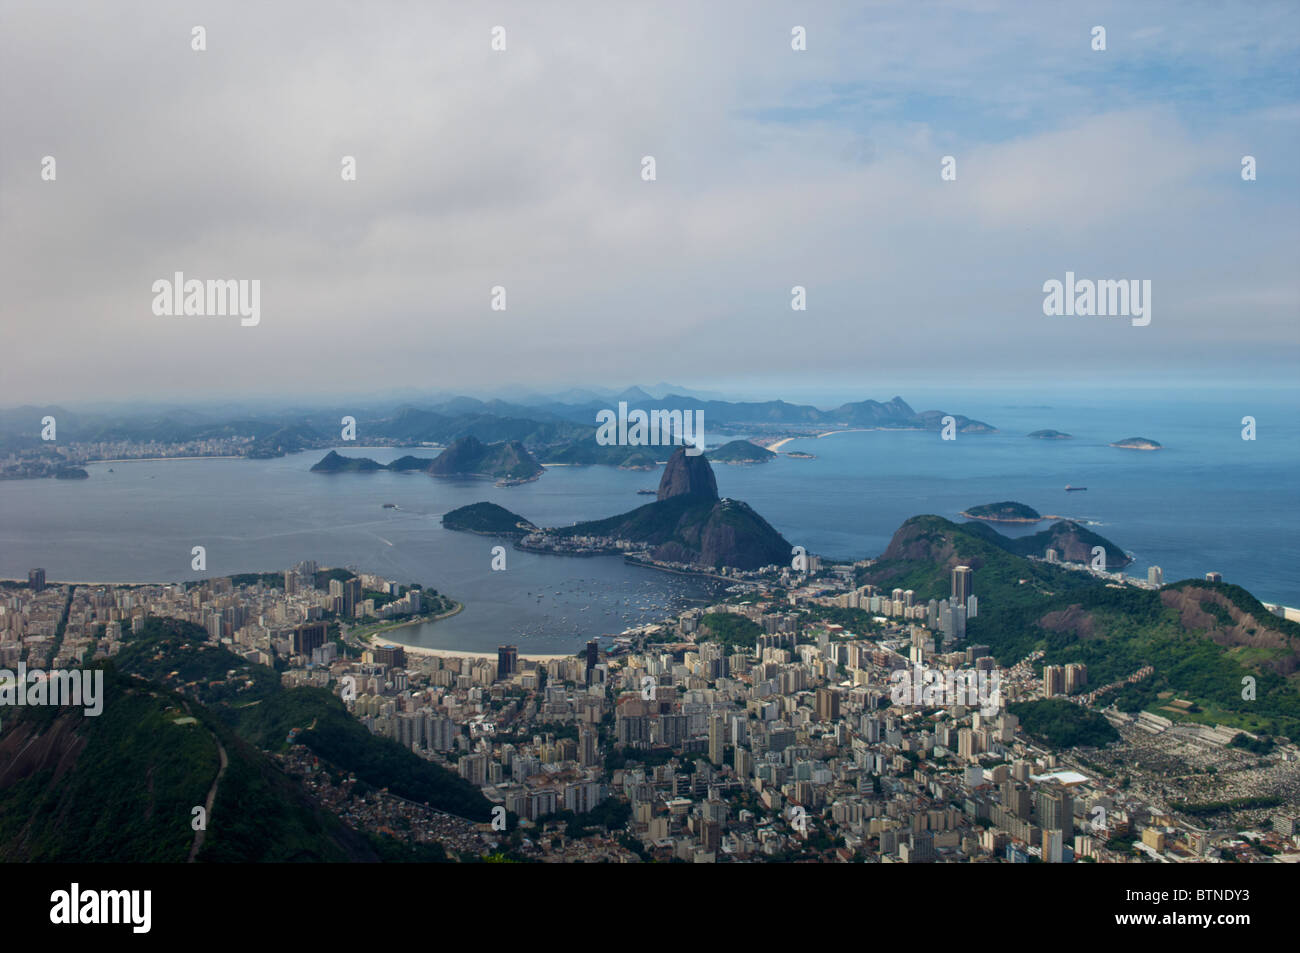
x=688, y=476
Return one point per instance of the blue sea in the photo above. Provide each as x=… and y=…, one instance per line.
x=1208, y=501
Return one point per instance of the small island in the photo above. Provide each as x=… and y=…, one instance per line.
x=337, y=463
x=1004, y=512
x=740, y=452
x=1051, y=435
x=800, y=455
x=487, y=519
x=1137, y=443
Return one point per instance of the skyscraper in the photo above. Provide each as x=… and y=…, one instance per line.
x=717, y=738
x=307, y=637
x=1155, y=576
x=593, y=656
x=828, y=705
x=507, y=661
x=36, y=579
x=961, y=585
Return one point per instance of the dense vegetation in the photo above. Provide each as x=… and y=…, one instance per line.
x=729, y=629
x=1063, y=724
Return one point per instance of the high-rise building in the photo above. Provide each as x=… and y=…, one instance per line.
x=507, y=661
x=961, y=585
x=304, y=639
x=828, y=705
x=394, y=656
x=1076, y=676
x=290, y=582
x=1053, y=680
x=36, y=579
x=1155, y=576
x=351, y=596
x=1214, y=577
x=1050, y=555
x=593, y=656
x=717, y=738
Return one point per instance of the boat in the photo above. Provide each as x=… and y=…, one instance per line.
x=1074, y=489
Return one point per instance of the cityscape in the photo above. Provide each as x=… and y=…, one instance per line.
x=436, y=437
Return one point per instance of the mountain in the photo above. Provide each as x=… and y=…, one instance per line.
x=740, y=451
x=337, y=463
x=1199, y=638
x=1072, y=542
x=469, y=456
x=143, y=762
x=488, y=519
x=688, y=523
x=687, y=475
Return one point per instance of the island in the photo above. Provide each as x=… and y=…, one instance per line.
x=487, y=519
x=469, y=456
x=1051, y=435
x=337, y=463
x=1137, y=443
x=1004, y=512
x=509, y=462
x=800, y=455
x=741, y=452
x=688, y=527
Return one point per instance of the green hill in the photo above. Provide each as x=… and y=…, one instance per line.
x=176, y=653
x=1201, y=638
x=120, y=787
x=469, y=456
x=488, y=519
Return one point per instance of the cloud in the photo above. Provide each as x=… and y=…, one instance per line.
x=522, y=169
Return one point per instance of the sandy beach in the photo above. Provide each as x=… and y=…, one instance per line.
x=454, y=653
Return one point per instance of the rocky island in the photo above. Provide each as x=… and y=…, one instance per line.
x=1137, y=443
x=488, y=519
x=1051, y=435
x=740, y=452
x=1004, y=512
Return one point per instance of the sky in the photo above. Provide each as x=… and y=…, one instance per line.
x=523, y=168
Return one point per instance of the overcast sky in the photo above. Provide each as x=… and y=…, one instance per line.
x=522, y=168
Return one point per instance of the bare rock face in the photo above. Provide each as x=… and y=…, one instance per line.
x=688, y=476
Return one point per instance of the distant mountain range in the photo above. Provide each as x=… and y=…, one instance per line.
x=559, y=431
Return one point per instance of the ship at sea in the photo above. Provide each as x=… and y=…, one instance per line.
x=1072, y=489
